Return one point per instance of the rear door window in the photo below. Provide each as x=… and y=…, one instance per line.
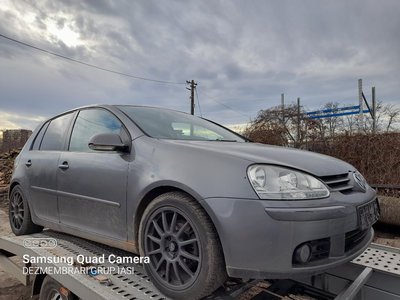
x=54, y=138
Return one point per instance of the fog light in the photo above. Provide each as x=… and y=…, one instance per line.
x=303, y=253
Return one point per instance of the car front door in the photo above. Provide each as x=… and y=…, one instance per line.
x=42, y=164
x=92, y=184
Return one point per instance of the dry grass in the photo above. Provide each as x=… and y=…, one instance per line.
x=390, y=210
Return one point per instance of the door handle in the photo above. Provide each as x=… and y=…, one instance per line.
x=64, y=165
x=28, y=163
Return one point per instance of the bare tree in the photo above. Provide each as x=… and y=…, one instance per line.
x=392, y=114
x=386, y=117
x=269, y=127
x=350, y=124
x=333, y=124
x=286, y=128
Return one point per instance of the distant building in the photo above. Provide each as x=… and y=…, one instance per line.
x=14, y=139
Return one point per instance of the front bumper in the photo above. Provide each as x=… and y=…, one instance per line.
x=259, y=238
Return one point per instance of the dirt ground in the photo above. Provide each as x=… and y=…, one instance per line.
x=391, y=238
x=12, y=289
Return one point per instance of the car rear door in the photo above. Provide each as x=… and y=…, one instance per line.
x=42, y=163
x=92, y=184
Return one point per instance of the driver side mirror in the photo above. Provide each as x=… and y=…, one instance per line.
x=107, y=142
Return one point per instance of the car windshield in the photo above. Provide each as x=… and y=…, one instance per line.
x=169, y=124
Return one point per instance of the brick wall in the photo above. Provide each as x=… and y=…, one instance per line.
x=14, y=139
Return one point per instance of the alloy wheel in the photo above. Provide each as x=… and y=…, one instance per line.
x=17, y=209
x=173, y=246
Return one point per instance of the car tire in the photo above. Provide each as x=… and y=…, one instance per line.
x=50, y=290
x=20, y=215
x=186, y=260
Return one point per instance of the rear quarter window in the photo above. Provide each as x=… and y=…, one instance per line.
x=39, y=137
x=54, y=137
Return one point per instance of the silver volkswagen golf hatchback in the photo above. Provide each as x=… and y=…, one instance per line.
x=199, y=200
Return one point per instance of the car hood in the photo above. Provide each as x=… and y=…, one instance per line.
x=310, y=162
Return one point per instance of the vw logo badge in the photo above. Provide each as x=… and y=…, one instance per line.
x=360, y=180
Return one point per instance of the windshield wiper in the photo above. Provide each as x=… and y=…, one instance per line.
x=224, y=140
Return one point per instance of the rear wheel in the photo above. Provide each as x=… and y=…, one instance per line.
x=19, y=214
x=186, y=260
x=52, y=290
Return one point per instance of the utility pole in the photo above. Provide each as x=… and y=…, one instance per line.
x=298, y=121
x=373, y=111
x=192, y=87
x=361, y=103
x=283, y=107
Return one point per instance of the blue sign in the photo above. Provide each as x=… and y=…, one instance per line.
x=335, y=112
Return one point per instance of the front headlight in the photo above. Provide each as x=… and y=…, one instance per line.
x=276, y=183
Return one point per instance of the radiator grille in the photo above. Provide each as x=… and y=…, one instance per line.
x=338, y=183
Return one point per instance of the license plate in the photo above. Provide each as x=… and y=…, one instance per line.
x=368, y=214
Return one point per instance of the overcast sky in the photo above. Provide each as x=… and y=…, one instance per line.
x=242, y=54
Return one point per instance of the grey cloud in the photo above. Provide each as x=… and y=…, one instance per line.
x=243, y=54
x=61, y=23
x=40, y=22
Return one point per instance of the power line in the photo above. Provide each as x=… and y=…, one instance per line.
x=225, y=105
x=87, y=64
x=198, y=103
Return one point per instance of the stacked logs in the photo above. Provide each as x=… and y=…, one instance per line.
x=6, y=166
x=6, y=169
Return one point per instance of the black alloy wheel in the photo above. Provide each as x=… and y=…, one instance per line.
x=186, y=259
x=19, y=213
x=173, y=247
x=51, y=290
x=17, y=210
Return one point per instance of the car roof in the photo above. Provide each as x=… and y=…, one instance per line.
x=110, y=106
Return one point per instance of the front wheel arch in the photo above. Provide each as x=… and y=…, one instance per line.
x=211, y=266
x=149, y=196
x=153, y=194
